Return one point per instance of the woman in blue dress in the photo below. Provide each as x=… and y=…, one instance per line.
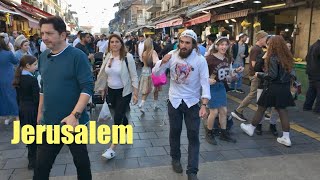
x=8, y=96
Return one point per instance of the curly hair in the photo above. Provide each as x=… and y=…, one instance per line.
x=277, y=47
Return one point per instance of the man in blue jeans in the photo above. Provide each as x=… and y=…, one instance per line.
x=66, y=86
x=240, y=52
x=189, y=72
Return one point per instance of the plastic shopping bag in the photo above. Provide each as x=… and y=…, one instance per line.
x=105, y=113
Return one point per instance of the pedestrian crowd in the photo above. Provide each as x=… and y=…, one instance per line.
x=50, y=80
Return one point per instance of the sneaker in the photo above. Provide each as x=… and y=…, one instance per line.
x=230, y=90
x=246, y=128
x=210, y=138
x=273, y=129
x=284, y=141
x=240, y=91
x=7, y=121
x=259, y=129
x=225, y=136
x=192, y=177
x=267, y=117
x=109, y=154
x=141, y=109
x=238, y=116
x=176, y=166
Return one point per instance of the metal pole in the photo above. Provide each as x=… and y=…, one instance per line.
x=310, y=25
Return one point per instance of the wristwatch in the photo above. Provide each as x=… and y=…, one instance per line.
x=204, y=105
x=77, y=115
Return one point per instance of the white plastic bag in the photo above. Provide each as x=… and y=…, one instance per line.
x=105, y=113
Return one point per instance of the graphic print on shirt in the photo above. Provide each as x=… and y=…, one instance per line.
x=182, y=72
x=222, y=71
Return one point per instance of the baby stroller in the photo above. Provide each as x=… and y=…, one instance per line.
x=96, y=98
x=98, y=59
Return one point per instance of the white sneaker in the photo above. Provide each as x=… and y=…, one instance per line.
x=284, y=141
x=7, y=121
x=246, y=128
x=109, y=154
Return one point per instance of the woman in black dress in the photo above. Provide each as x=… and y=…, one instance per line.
x=28, y=98
x=276, y=92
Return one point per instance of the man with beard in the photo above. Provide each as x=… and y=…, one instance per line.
x=82, y=45
x=189, y=73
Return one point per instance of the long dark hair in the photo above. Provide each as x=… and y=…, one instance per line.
x=3, y=45
x=123, y=51
x=26, y=59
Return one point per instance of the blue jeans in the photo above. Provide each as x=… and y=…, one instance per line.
x=192, y=121
x=237, y=84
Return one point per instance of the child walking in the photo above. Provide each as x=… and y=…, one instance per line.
x=28, y=98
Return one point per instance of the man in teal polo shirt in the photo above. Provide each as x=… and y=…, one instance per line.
x=66, y=86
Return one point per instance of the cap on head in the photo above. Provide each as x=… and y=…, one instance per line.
x=189, y=33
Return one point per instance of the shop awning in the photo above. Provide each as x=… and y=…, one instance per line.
x=173, y=22
x=33, y=23
x=5, y=10
x=231, y=15
x=33, y=10
x=224, y=3
x=198, y=20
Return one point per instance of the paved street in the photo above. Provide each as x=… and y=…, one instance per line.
x=150, y=151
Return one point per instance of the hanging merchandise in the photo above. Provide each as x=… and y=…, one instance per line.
x=256, y=24
x=8, y=19
x=245, y=24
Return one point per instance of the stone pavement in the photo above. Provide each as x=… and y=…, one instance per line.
x=151, y=149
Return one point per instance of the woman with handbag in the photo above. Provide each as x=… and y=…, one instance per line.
x=276, y=92
x=149, y=58
x=119, y=77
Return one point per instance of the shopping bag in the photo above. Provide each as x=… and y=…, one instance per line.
x=159, y=80
x=105, y=113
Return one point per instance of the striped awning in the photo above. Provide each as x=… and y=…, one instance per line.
x=198, y=20
x=231, y=15
x=5, y=10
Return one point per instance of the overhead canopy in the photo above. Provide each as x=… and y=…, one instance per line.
x=5, y=10
x=198, y=20
x=33, y=23
x=231, y=15
x=170, y=23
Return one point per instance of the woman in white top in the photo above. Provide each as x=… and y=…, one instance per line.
x=118, y=76
x=149, y=58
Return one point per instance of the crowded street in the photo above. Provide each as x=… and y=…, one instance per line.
x=159, y=89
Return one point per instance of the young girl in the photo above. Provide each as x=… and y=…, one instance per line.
x=28, y=98
x=149, y=57
x=219, y=71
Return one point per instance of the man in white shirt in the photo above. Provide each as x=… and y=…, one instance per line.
x=189, y=74
x=102, y=45
x=77, y=40
x=140, y=46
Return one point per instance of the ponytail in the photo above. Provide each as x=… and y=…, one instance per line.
x=17, y=76
x=26, y=59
